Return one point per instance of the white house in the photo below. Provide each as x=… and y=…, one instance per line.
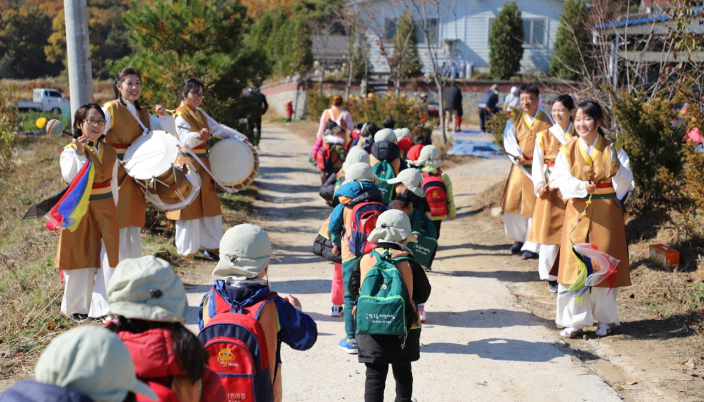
x=461, y=31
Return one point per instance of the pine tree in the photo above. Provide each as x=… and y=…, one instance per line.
x=406, y=57
x=572, y=37
x=506, y=42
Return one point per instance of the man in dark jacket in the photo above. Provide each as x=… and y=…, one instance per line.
x=487, y=106
x=256, y=102
x=453, y=106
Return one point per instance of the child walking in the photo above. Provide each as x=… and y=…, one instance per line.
x=377, y=352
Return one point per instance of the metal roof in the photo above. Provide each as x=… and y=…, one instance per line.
x=640, y=21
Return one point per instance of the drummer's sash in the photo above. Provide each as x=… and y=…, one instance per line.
x=197, y=120
x=124, y=127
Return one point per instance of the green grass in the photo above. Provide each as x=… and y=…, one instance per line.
x=29, y=121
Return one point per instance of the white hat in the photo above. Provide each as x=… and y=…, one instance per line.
x=245, y=250
x=360, y=172
x=429, y=156
x=93, y=361
x=147, y=288
x=514, y=90
x=355, y=155
x=392, y=226
x=385, y=134
x=402, y=133
x=412, y=179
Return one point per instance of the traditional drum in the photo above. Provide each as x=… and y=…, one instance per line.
x=150, y=161
x=234, y=163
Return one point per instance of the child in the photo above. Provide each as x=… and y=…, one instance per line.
x=389, y=123
x=245, y=253
x=84, y=364
x=366, y=137
x=332, y=154
x=358, y=188
x=430, y=162
x=549, y=211
x=587, y=170
x=404, y=139
x=289, y=110
x=393, y=230
x=79, y=251
x=356, y=132
x=418, y=143
x=149, y=303
x=386, y=160
x=327, y=190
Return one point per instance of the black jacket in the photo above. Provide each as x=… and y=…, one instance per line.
x=387, y=349
x=453, y=98
x=327, y=190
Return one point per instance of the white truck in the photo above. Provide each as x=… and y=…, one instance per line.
x=46, y=100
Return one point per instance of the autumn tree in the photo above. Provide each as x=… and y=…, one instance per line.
x=506, y=42
x=178, y=39
x=23, y=35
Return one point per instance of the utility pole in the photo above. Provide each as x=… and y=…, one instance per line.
x=80, y=76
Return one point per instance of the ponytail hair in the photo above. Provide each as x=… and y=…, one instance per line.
x=121, y=76
x=593, y=110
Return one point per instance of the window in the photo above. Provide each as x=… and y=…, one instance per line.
x=389, y=29
x=54, y=94
x=433, y=26
x=535, y=32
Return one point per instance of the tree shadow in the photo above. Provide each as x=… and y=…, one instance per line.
x=505, y=350
x=472, y=246
x=504, y=276
x=488, y=318
x=302, y=286
x=675, y=326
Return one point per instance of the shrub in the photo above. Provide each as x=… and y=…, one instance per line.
x=653, y=142
x=9, y=124
x=572, y=37
x=496, y=126
x=506, y=42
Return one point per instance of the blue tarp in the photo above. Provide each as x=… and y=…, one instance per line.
x=481, y=149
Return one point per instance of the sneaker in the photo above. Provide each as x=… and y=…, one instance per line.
x=79, y=317
x=571, y=332
x=428, y=269
x=349, y=346
x=516, y=248
x=552, y=286
x=529, y=255
x=421, y=312
x=603, y=329
x=336, y=310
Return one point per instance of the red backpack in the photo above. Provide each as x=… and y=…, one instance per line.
x=435, y=193
x=364, y=216
x=236, y=344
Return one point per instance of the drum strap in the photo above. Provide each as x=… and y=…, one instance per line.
x=197, y=158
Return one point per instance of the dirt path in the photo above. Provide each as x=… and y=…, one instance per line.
x=478, y=342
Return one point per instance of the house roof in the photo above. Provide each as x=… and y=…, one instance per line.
x=641, y=21
x=330, y=46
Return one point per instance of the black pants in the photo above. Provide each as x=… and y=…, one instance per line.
x=376, y=380
x=484, y=116
x=254, y=124
x=437, y=225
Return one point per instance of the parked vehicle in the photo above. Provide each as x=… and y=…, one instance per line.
x=46, y=100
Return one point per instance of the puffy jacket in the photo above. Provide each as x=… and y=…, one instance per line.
x=156, y=363
x=453, y=98
x=281, y=322
x=33, y=391
x=349, y=195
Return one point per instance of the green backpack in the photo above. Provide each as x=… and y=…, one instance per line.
x=426, y=237
x=383, y=298
x=385, y=171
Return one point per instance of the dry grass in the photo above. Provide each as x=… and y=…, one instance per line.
x=102, y=89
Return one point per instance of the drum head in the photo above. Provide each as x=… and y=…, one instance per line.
x=150, y=155
x=231, y=161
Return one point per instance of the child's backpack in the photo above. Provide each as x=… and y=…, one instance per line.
x=385, y=171
x=426, y=237
x=383, y=299
x=236, y=344
x=325, y=159
x=435, y=193
x=364, y=216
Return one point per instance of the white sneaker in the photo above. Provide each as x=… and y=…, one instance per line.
x=421, y=312
x=603, y=329
x=336, y=310
x=571, y=332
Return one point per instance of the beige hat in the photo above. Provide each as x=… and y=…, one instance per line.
x=429, y=156
x=393, y=226
x=147, y=288
x=412, y=179
x=385, y=134
x=355, y=155
x=494, y=88
x=93, y=361
x=402, y=133
x=245, y=250
x=360, y=172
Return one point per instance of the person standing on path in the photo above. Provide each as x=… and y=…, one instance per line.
x=335, y=113
x=199, y=225
x=549, y=212
x=377, y=352
x=256, y=101
x=518, y=199
x=453, y=107
x=589, y=176
x=488, y=106
x=512, y=100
